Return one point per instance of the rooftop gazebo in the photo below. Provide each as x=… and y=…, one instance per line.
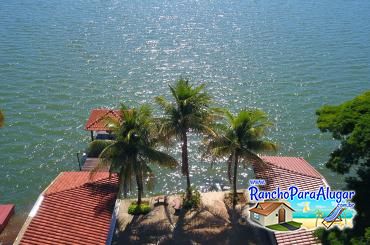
x=99, y=120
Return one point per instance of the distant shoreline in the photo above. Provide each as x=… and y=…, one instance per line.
x=310, y=223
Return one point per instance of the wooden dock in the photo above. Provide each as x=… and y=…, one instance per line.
x=6, y=212
x=91, y=163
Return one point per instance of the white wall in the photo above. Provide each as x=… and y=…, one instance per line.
x=273, y=218
x=261, y=219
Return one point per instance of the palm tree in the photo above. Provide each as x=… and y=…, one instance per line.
x=189, y=112
x=133, y=148
x=239, y=139
x=1, y=119
x=319, y=214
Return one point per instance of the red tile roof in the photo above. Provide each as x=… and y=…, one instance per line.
x=75, y=210
x=287, y=171
x=6, y=211
x=301, y=237
x=98, y=119
x=266, y=208
x=294, y=164
x=71, y=180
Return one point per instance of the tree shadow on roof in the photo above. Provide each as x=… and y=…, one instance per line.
x=106, y=192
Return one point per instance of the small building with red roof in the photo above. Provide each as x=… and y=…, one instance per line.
x=271, y=213
x=99, y=120
x=6, y=211
x=76, y=208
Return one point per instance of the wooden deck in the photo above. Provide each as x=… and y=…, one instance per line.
x=91, y=163
x=6, y=211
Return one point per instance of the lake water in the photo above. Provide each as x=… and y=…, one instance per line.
x=60, y=59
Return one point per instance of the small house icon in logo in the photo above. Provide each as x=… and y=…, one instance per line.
x=270, y=213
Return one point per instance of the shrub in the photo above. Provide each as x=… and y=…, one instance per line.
x=320, y=233
x=96, y=147
x=194, y=201
x=135, y=209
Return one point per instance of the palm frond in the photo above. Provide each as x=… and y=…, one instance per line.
x=174, y=93
x=159, y=157
x=104, y=160
x=134, y=147
x=162, y=102
x=249, y=157
x=260, y=146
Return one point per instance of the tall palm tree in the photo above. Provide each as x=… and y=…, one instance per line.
x=188, y=112
x=1, y=119
x=238, y=140
x=133, y=149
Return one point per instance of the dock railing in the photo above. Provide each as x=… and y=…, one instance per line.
x=81, y=158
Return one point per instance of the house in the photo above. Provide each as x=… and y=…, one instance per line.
x=6, y=212
x=270, y=213
x=75, y=209
x=98, y=123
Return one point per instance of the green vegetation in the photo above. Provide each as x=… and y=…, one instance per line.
x=189, y=111
x=138, y=134
x=339, y=237
x=193, y=201
x=135, y=209
x=97, y=146
x=295, y=224
x=133, y=150
x=239, y=140
x=2, y=118
x=277, y=227
x=350, y=124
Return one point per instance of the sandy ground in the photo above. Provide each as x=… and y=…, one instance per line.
x=212, y=223
x=311, y=223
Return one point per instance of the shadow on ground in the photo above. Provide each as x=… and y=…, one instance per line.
x=211, y=224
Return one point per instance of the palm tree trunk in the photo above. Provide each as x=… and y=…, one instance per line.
x=126, y=183
x=125, y=190
x=185, y=163
x=139, y=180
x=139, y=189
x=122, y=186
x=234, y=179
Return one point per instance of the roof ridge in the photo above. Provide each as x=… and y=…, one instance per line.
x=100, y=118
x=296, y=172
x=73, y=187
x=51, y=183
x=298, y=157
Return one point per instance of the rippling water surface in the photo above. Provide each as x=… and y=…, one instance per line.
x=60, y=59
